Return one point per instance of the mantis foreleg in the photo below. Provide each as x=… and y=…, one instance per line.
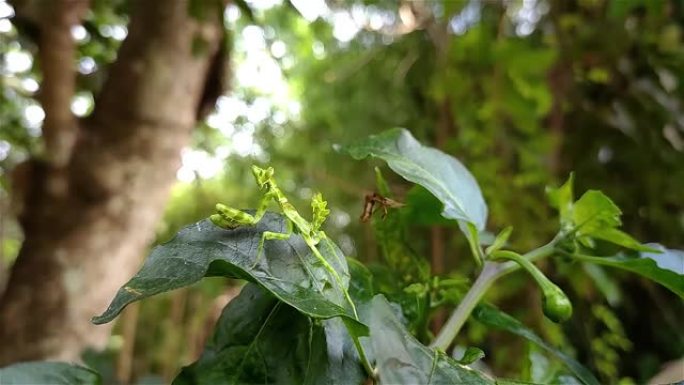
x=271, y=235
x=231, y=218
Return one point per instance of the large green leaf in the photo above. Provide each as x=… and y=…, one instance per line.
x=287, y=268
x=495, y=318
x=423, y=208
x=260, y=340
x=443, y=175
x=52, y=373
x=666, y=259
x=401, y=359
x=665, y=267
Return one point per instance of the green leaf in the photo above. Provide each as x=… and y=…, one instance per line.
x=595, y=211
x=471, y=355
x=401, y=359
x=665, y=268
x=500, y=240
x=539, y=369
x=259, y=339
x=562, y=198
x=361, y=283
x=596, y=216
x=621, y=9
x=423, y=209
x=495, y=318
x=53, y=373
x=593, y=216
x=619, y=238
x=443, y=175
x=666, y=259
x=474, y=243
x=381, y=183
x=287, y=268
x=604, y=282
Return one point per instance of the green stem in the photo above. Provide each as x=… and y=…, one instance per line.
x=534, y=255
x=538, y=276
x=555, y=304
x=489, y=274
x=364, y=359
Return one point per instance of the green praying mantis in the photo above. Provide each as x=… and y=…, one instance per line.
x=231, y=218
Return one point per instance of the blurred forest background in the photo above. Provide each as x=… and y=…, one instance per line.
x=107, y=104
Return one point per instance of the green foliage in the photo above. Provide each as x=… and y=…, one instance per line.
x=401, y=359
x=562, y=199
x=494, y=318
x=402, y=275
x=259, y=339
x=292, y=289
x=593, y=216
x=555, y=304
x=594, y=87
x=596, y=216
x=288, y=269
x=610, y=343
x=444, y=176
x=57, y=373
x=670, y=276
x=471, y=355
x=293, y=324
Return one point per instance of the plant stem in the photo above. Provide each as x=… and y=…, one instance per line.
x=525, y=264
x=490, y=273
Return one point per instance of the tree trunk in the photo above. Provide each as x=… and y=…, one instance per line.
x=87, y=220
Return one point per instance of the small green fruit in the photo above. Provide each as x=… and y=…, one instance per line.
x=556, y=305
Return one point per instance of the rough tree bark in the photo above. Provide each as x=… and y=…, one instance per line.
x=91, y=207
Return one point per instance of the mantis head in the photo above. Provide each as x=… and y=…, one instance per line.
x=262, y=176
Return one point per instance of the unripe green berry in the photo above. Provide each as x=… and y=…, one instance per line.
x=556, y=305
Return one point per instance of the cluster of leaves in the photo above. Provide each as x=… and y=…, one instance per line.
x=621, y=61
x=291, y=325
x=592, y=86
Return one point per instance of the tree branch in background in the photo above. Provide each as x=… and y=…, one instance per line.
x=56, y=53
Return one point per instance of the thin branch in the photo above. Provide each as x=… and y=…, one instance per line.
x=484, y=281
x=56, y=54
x=490, y=273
